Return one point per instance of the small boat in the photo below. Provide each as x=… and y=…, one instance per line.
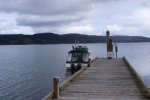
x=78, y=57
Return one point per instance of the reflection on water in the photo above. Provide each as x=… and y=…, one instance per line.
x=68, y=73
x=27, y=70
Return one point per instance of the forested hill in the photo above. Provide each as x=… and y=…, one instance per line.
x=51, y=38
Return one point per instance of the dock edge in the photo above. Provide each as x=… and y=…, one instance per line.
x=144, y=87
x=71, y=78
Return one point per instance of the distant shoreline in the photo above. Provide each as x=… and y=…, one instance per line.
x=52, y=38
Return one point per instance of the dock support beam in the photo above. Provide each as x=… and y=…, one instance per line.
x=56, y=87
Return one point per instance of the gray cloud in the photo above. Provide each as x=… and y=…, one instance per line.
x=82, y=16
x=44, y=7
x=52, y=13
x=38, y=21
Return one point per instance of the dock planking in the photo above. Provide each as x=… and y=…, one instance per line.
x=106, y=79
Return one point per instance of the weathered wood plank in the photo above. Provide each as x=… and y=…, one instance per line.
x=106, y=79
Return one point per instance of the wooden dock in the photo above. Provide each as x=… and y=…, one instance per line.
x=106, y=79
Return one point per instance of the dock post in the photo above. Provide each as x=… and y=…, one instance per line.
x=56, y=87
x=110, y=53
x=116, y=49
x=89, y=64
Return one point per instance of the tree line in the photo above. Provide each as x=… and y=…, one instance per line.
x=52, y=38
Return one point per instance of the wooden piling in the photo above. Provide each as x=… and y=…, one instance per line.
x=110, y=53
x=89, y=63
x=56, y=87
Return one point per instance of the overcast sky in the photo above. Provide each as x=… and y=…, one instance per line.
x=92, y=17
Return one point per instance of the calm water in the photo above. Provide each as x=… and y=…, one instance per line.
x=26, y=71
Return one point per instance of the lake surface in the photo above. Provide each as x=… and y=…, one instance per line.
x=26, y=71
